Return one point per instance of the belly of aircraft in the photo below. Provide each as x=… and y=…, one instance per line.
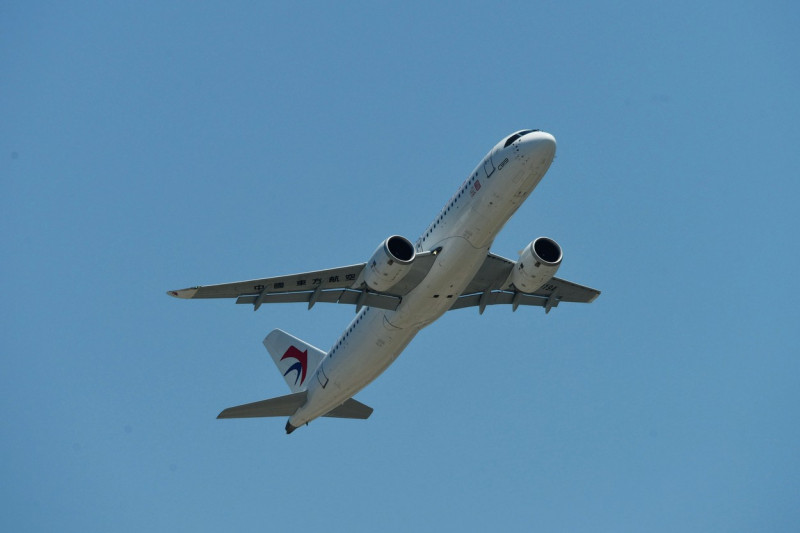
x=454, y=268
x=374, y=344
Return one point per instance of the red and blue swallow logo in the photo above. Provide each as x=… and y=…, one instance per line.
x=301, y=366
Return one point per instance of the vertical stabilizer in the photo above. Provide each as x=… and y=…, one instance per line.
x=296, y=360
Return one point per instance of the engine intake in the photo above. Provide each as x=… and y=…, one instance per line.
x=390, y=263
x=537, y=264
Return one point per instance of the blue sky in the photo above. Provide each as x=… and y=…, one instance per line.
x=161, y=145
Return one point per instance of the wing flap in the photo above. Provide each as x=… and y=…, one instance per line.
x=342, y=296
x=501, y=298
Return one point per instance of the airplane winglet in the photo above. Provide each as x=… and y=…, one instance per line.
x=184, y=293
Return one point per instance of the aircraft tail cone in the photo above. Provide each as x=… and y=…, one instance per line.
x=289, y=428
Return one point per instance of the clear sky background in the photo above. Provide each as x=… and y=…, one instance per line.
x=155, y=146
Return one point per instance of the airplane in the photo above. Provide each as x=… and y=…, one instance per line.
x=404, y=287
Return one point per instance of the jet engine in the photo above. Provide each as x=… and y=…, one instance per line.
x=390, y=263
x=537, y=263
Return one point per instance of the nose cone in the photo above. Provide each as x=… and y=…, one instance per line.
x=538, y=146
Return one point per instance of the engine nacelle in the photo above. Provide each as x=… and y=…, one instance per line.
x=390, y=263
x=536, y=265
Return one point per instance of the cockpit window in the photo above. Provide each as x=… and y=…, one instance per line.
x=511, y=139
x=517, y=136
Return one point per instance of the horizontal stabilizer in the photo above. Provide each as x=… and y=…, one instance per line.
x=351, y=409
x=287, y=405
x=280, y=406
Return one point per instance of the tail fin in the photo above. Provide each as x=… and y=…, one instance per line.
x=295, y=359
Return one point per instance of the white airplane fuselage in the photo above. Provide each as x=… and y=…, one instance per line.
x=460, y=236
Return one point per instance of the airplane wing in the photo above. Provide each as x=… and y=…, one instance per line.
x=343, y=285
x=492, y=286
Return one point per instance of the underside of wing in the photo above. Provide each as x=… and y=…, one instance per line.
x=492, y=275
x=337, y=296
x=492, y=286
x=333, y=278
x=343, y=285
x=501, y=298
x=568, y=291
